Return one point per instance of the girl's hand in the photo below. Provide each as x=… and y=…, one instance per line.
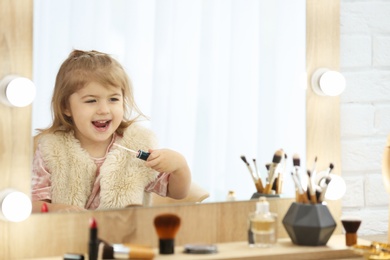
x=169, y=161
x=165, y=160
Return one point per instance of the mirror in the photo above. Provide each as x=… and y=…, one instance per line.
x=218, y=79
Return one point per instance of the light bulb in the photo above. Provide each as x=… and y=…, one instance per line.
x=15, y=206
x=327, y=82
x=336, y=188
x=17, y=91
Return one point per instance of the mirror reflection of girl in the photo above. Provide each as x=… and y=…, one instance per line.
x=76, y=166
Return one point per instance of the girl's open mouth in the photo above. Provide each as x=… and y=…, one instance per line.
x=101, y=124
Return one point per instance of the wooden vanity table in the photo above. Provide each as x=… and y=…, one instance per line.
x=284, y=249
x=224, y=224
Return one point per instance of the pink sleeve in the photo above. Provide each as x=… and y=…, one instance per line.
x=41, y=184
x=160, y=185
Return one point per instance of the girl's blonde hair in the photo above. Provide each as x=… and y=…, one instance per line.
x=81, y=68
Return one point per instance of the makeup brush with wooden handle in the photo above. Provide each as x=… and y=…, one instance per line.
x=272, y=170
x=258, y=184
x=166, y=226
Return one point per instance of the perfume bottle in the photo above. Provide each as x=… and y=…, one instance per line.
x=231, y=196
x=263, y=224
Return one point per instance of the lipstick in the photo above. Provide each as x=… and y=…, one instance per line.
x=93, y=246
x=44, y=208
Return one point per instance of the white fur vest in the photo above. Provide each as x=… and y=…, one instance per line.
x=123, y=176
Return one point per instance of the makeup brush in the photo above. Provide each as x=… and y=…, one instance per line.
x=296, y=161
x=296, y=164
x=298, y=198
x=351, y=226
x=282, y=170
x=260, y=183
x=132, y=251
x=124, y=251
x=139, y=154
x=272, y=170
x=297, y=167
x=311, y=190
x=322, y=175
x=166, y=226
x=256, y=170
x=243, y=158
x=324, y=187
x=331, y=166
x=267, y=166
x=314, y=173
x=301, y=194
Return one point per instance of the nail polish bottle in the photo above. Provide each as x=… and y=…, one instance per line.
x=263, y=224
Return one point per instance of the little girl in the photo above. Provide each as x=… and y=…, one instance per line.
x=76, y=164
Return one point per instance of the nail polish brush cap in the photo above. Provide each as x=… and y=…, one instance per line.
x=143, y=155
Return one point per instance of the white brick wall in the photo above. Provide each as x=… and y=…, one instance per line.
x=365, y=109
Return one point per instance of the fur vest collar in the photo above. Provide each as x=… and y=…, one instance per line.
x=123, y=176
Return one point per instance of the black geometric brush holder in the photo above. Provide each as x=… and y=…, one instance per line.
x=309, y=224
x=257, y=195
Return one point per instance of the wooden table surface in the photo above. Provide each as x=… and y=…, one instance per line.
x=284, y=249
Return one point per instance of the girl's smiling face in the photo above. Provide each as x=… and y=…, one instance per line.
x=96, y=111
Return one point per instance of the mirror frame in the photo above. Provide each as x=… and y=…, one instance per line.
x=20, y=240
